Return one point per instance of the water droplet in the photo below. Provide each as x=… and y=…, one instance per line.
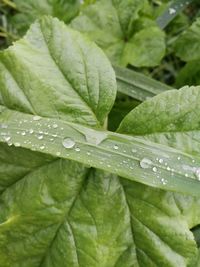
x=55, y=126
x=186, y=175
x=42, y=147
x=161, y=161
x=154, y=169
x=133, y=150
x=115, y=147
x=31, y=131
x=88, y=153
x=164, y=182
x=168, y=168
x=7, y=138
x=23, y=133
x=172, y=11
x=197, y=173
x=108, y=165
x=95, y=137
x=17, y=144
x=68, y=142
x=36, y=118
x=179, y=158
x=3, y=126
x=40, y=137
x=58, y=154
x=77, y=149
x=145, y=163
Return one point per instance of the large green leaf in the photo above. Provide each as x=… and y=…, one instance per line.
x=187, y=46
x=55, y=212
x=30, y=10
x=81, y=90
x=113, y=25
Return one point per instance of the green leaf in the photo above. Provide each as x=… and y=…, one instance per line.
x=187, y=46
x=174, y=111
x=111, y=24
x=138, y=85
x=189, y=74
x=171, y=118
x=102, y=223
x=83, y=89
x=30, y=10
x=57, y=212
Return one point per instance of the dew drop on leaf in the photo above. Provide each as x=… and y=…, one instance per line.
x=95, y=137
x=7, y=138
x=68, y=142
x=40, y=137
x=172, y=11
x=197, y=173
x=154, y=169
x=36, y=118
x=145, y=163
x=164, y=182
x=55, y=126
x=77, y=149
x=160, y=161
x=115, y=147
x=17, y=144
x=3, y=126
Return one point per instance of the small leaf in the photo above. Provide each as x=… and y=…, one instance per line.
x=187, y=46
x=53, y=60
x=30, y=10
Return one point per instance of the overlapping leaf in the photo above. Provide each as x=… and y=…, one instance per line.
x=30, y=10
x=113, y=25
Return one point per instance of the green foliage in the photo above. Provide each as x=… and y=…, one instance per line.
x=124, y=35
x=73, y=192
x=187, y=46
x=65, y=213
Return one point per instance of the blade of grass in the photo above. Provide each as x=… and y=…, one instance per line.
x=138, y=85
x=124, y=155
x=171, y=12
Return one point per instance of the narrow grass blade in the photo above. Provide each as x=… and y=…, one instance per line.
x=124, y=155
x=138, y=85
x=171, y=12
